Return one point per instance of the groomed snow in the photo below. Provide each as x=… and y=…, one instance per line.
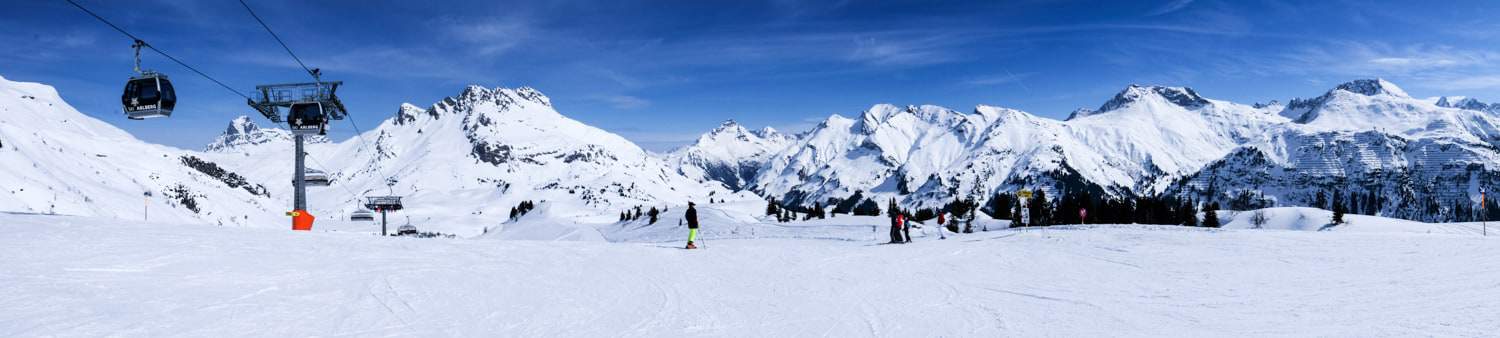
x=74, y=276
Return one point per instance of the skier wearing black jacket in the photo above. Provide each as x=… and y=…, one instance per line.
x=896, y=223
x=692, y=221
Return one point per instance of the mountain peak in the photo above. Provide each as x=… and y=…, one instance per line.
x=1181, y=96
x=243, y=132
x=768, y=133
x=1372, y=87
x=241, y=125
x=1468, y=103
x=728, y=126
x=1080, y=112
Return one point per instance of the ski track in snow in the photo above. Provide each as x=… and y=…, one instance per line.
x=74, y=276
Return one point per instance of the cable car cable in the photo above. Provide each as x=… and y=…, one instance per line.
x=357, y=132
x=158, y=51
x=278, y=40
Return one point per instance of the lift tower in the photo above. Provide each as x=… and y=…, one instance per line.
x=308, y=108
x=383, y=204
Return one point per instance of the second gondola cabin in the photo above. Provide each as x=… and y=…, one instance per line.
x=308, y=118
x=148, y=95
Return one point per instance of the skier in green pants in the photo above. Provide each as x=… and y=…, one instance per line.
x=692, y=221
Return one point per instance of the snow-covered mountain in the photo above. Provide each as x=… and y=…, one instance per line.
x=1364, y=138
x=729, y=154
x=56, y=160
x=930, y=155
x=463, y=162
x=244, y=133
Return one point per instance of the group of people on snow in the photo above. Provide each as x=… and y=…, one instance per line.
x=901, y=225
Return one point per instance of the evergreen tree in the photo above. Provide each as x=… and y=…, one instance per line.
x=653, y=214
x=513, y=213
x=867, y=208
x=1040, y=209
x=1189, y=213
x=771, y=208
x=1000, y=206
x=1211, y=215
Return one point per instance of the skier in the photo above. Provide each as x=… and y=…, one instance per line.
x=906, y=227
x=896, y=222
x=692, y=221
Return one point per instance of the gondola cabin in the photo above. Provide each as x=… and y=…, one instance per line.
x=307, y=118
x=148, y=95
x=362, y=215
x=405, y=230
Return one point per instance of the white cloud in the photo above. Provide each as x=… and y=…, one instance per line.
x=997, y=79
x=490, y=38
x=626, y=101
x=904, y=51
x=1169, y=7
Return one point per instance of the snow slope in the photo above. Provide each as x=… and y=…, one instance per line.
x=74, y=276
x=56, y=160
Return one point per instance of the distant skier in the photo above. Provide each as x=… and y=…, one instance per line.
x=692, y=221
x=906, y=227
x=896, y=222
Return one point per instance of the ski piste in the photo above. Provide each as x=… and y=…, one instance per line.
x=478, y=169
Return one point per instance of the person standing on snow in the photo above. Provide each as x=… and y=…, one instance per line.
x=896, y=222
x=906, y=227
x=692, y=221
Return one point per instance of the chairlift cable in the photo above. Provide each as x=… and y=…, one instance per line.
x=325, y=168
x=361, y=135
x=158, y=51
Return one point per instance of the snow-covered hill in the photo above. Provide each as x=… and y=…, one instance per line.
x=56, y=160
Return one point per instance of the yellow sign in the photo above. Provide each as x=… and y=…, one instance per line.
x=1024, y=194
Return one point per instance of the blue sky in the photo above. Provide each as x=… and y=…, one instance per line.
x=662, y=72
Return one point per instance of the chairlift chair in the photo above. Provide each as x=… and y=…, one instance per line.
x=362, y=215
x=385, y=203
x=317, y=178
